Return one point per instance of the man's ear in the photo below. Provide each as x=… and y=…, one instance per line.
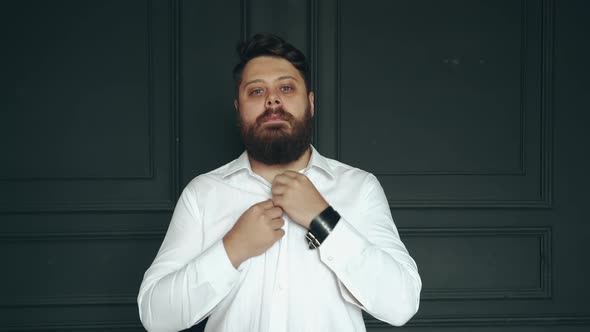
x=311, y=98
x=236, y=104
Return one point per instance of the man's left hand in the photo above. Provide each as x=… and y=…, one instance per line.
x=298, y=197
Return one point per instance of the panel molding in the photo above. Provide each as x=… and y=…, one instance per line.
x=65, y=300
x=370, y=322
x=313, y=56
x=487, y=321
x=82, y=299
x=544, y=291
x=120, y=206
x=121, y=326
x=452, y=203
x=146, y=234
x=548, y=22
x=245, y=22
x=175, y=65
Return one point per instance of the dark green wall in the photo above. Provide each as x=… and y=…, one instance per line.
x=472, y=114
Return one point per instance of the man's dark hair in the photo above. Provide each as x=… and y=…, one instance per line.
x=266, y=44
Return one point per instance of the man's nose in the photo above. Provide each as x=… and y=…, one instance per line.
x=273, y=100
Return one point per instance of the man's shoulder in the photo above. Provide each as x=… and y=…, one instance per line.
x=214, y=176
x=345, y=172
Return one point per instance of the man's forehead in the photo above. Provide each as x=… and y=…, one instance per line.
x=265, y=67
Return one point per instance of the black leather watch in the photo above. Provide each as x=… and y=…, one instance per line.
x=321, y=226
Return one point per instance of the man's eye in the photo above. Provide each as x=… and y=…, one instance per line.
x=286, y=88
x=256, y=92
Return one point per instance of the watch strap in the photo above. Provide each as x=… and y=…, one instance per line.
x=321, y=226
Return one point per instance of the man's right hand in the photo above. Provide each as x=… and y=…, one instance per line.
x=257, y=230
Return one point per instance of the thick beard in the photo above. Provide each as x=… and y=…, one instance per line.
x=272, y=144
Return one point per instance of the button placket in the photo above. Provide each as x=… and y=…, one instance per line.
x=278, y=311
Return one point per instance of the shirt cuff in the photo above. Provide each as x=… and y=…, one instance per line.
x=343, y=244
x=223, y=276
x=340, y=250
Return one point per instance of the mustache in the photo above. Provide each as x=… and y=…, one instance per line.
x=270, y=112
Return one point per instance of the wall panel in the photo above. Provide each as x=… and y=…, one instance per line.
x=452, y=110
x=482, y=263
x=87, y=125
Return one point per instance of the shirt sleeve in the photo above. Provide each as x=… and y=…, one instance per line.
x=186, y=281
x=372, y=264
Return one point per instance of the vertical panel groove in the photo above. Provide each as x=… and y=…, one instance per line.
x=151, y=88
x=523, y=104
x=175, y=86
x=314, y=58
x=338, y=79
x=244, y=7
x=547, y=102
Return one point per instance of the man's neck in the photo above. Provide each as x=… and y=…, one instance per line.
x=268, y=172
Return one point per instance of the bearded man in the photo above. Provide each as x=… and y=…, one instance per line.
x=282, y=238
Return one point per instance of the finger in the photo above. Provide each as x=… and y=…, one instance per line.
x=277, y=223
x=277, y=200
x=279, y=233
x=266, y=204
x=291, y=174
x=281, y=179
x=274, y=212
x=278, y=189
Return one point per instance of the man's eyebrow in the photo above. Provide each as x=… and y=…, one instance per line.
x=287, y=77
x=258, y=80
x=253, y=81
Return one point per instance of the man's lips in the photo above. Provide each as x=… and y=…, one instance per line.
x=273, y=118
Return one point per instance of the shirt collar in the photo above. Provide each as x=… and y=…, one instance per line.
x=321, y=162
x=316, y=160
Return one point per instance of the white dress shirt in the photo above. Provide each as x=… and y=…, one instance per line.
x=362, y=264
